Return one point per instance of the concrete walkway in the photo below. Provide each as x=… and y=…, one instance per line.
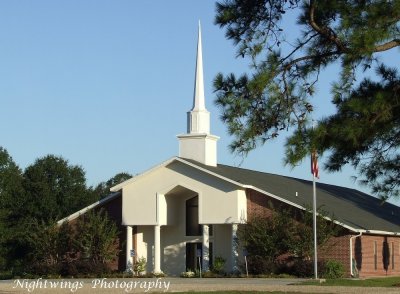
x=84, y=286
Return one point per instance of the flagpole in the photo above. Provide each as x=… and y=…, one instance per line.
x=315, y=227
x=315, y=173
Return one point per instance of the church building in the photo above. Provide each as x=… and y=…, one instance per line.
x=188, y=208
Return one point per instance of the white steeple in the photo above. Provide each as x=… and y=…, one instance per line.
x=198, y=144
x=199, y=117
x=198, y=97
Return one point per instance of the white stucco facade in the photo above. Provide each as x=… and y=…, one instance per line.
x=150, y=199
x=159, y=197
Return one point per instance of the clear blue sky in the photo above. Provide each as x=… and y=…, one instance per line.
x=107, y=84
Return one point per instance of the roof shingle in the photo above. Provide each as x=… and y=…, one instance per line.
x=348, y=206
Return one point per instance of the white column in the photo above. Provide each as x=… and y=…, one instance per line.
x=234, y=245
x=129, y=247
x=206, y=246
x=157, y=251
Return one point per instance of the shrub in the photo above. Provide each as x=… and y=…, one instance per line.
x=333, y=270
x=69, y=269
x=45, y=269
x=157, y=275
x=140, y=266
x=305, y=268
x=302, y=268
x=87, y=268
x=218, y=265
x=6, y=275
x=260, y=265
x=330, y=269
x=211, y=274
x=188, y=274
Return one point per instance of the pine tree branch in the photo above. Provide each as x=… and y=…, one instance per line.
x=326, y=32
x=299, y=47
x=308, y=57
x=387, y=46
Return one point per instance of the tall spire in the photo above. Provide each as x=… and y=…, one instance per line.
x=198, y=144
x=199, y=117
x=198, y=97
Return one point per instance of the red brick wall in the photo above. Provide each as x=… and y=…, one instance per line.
x=258, y=204
x=337, y=248
x=363, y=248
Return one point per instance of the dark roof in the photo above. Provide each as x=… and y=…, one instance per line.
x=348, y=206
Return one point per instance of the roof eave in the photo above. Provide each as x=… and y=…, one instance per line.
x=87, y=208
x=378, y=232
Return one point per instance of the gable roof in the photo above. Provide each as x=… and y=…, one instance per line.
x=352, y=208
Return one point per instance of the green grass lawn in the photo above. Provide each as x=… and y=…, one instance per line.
x=373, y=282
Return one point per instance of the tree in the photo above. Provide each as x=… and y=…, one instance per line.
x=277, y=96
x=268, y=236
x=103, y=189
x=364, y=132
x=285, y=232
x=30, y=204
x=302, y=245
x=86, y=245
x=52, y=248
x=44, y=242
x=97, y=237
x=54, y=189
x=10, y=191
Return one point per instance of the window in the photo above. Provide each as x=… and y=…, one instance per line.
x=193, y=228
x=375, y=255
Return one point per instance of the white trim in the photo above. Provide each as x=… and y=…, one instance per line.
x=198, y=135
x=377, y=232
x=135, y=178
x=87, y=208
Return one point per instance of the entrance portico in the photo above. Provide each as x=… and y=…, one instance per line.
x=202, y=214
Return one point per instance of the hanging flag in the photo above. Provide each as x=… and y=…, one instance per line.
x=314, y=164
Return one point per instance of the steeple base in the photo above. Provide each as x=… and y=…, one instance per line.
x=199, y=147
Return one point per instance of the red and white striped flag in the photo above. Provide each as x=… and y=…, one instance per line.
x=314, y=164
